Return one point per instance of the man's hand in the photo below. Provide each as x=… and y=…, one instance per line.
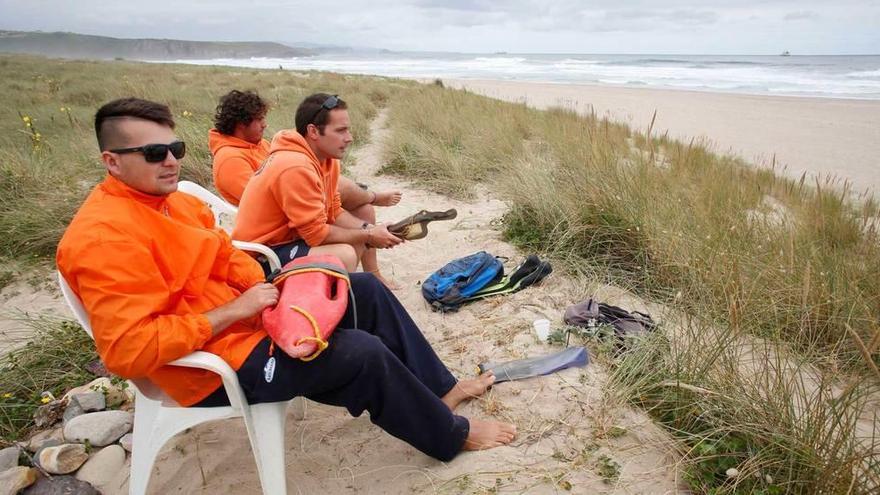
x=379, y=237
x=248, y=304
x=257, y=298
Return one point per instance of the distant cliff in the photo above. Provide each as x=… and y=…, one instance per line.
x=72, y=45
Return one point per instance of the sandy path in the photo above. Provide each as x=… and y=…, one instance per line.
x=21, y=301
x=563, y=420
x=827, y=136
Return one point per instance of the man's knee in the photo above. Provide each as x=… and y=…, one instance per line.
x=367, y=349
x=345, y=252
x=365, y=212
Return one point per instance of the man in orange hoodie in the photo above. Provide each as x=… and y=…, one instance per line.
x=292, y=203
x=237, y=145
x=159, y=281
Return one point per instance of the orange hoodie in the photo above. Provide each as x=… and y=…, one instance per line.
x=292, y=196
x=146, y=269
x=235, y=161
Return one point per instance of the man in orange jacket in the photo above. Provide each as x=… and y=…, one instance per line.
x=237, y=145
x=159, y=281
x=292, y=203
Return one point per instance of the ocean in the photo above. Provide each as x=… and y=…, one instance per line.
x=830, y=76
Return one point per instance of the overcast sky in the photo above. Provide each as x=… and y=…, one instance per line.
x=550, y=26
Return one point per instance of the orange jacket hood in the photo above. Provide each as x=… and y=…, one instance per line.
x=290, y=140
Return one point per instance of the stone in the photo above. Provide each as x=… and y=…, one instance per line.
x=9, y=458
x=102, y=467
x=50, y=413
x=98, y=428
x=90, y=401
x=61, y=485
x=62, y=459
x=126, y=441
x=40, y=440
x=14, y=480
x=72, y=410
x=113, y=395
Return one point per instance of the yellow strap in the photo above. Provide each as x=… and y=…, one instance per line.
x=325, y=271
x=322, y=344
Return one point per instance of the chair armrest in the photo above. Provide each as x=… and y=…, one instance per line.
x=212, y=362
x=274, y=262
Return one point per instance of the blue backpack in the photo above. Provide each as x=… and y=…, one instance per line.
x=451, y=286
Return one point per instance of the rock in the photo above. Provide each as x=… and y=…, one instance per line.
x=61, y=485
x=62, y=459
x=35, y=460
x=98, y=428
x=113, y=395
x=90, y=401
x=9, y=458
x=102, y=467
x=72, y=410
x=126, y=441
x=15, y=479
x=40, y=440
x=50, y=413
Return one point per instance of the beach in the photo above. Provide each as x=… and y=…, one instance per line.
x=828, y=137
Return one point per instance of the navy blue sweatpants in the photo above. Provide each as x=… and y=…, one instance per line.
x=385, y=367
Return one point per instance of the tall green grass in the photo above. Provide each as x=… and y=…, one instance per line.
x=53, y=361
x=779, y=279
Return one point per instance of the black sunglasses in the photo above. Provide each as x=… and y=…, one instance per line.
x=329, y=104
x=155, y=153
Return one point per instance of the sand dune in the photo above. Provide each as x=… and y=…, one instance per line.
x=830, y=137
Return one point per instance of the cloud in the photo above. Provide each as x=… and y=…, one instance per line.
x=801, y=15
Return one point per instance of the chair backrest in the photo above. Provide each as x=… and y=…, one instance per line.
x=75, y=305
x=224, y=213
x=145, y=386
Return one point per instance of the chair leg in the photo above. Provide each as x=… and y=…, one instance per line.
x=266, y=433
x=143, y=455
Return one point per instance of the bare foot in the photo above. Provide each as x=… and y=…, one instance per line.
x=388, y=283
x=488, y=434
x=387, y=198
x=468, y=389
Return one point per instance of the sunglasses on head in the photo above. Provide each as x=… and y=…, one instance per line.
x=155, y=153
x=329, y=104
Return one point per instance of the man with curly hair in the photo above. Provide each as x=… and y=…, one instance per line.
x=238, y=148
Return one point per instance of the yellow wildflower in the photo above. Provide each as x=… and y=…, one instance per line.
x=45, y=400
x=7, y=395
x=26, y=118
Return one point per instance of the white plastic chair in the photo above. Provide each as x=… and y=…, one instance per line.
x=157, y=417
x=224, y=217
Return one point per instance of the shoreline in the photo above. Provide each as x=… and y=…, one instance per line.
x=825, y=137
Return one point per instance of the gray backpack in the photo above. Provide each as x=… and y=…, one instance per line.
x=592, y=313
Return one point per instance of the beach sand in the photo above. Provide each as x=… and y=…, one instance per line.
x=825, y=136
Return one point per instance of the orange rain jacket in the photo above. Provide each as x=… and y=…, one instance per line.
x=292, y=196
x=235, y=161
x=146, y=269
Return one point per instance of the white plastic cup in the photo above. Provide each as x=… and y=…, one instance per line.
x=542, y=328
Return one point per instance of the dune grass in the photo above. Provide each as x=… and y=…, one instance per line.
x=53, y=361
x=768, y=363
